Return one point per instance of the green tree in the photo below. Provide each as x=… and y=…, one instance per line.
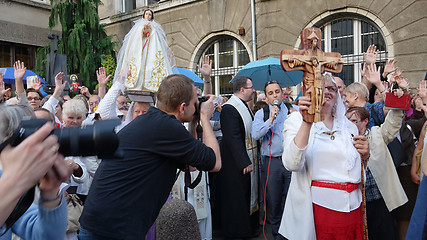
x=83, y=39
x=109, y=63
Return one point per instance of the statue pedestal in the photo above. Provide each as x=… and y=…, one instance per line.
x=141, y=96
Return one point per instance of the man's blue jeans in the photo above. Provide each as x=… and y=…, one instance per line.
x=277, y=188
x=86, y=235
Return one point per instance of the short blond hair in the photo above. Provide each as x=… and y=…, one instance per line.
x=358, y=88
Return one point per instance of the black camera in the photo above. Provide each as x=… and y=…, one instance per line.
x=201, y=100
x=98, y=139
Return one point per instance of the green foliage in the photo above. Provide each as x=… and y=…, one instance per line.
x=83, y=40
x=41, y=60
x=109, y=63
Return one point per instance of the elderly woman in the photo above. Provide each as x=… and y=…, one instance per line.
x=324, y=198
x=107, y=107
x=35, y=159
x=384, y=192
x=73, y=114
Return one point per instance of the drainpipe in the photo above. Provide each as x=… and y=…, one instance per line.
x=253, y=30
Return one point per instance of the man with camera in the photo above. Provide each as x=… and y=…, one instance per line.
x=267, y=127
x=127, y=193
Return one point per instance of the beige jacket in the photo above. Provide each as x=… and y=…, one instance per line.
x=381, y=164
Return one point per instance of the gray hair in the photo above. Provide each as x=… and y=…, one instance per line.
x=359, y=88
x=10, y=118
x=76, y=106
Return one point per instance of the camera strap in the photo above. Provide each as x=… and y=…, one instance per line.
x=187, y=181
x=21, y=207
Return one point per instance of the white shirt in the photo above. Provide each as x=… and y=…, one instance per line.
x=326, y=162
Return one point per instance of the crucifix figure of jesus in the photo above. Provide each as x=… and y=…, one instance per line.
x=314, y=62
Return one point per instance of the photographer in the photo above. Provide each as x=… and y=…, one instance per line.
x=35, y=159
x=127, y=193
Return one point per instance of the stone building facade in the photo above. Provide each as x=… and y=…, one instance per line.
x=24, y=28
x=222, y=29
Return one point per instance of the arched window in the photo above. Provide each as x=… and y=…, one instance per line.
x=351, y=37
x=228, y=56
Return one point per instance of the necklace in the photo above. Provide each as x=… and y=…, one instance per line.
x=330, y=134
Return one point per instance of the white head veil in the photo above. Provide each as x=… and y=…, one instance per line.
x=352, y=156
x=123, y=64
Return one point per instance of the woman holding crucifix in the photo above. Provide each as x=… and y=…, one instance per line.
x=325, y=198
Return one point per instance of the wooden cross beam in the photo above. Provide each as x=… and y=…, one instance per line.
x=314, y=62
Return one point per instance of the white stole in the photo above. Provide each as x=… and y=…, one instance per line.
x=198, y=197
x=251, y=148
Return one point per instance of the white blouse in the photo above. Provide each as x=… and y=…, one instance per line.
x=326, y=161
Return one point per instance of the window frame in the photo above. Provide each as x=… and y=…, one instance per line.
x=355, y=59
x=219, y=72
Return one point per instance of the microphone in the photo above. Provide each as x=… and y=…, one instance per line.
x=277, y=104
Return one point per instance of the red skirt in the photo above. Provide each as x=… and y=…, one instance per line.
x=335, y=225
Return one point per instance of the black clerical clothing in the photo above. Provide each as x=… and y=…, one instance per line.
x=127, y=193
x=235, y=187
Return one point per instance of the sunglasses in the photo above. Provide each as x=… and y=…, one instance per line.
x=271, y=82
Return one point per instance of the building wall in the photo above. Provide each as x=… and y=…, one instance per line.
x=401, y=22
x=25, y=22
x=188, y=23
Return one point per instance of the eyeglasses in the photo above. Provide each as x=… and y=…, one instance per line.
x=331, y=88
x=33, y=98
x=251, y=87
x=271, y=82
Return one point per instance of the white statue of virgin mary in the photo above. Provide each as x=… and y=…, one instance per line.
x=146, y=54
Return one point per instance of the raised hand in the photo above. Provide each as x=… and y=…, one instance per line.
x=398, y=92
x=389, y=67
x=20, y=70
x=58, y=81
x=422, y=90
x=85, y=91
x=59, y=85
x=370, y=56
x=418, y=102
x=19, y=73
x=3, y=89
x=398, y=71
x=101, y=76
x=206, y=68
x=403, y=83
x=373, y=74
x=37, y=84
x=385, y=84
x=363, y=70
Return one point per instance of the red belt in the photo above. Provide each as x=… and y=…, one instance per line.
x=349, y=187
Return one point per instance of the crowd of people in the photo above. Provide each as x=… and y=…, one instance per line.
x=253, y=157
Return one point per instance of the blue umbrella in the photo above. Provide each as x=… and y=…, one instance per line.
x=268, y=69
x=9, y=77
x=197, y=81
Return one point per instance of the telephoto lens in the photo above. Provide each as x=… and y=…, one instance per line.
x=98, y=139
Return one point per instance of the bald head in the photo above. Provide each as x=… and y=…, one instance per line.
x=340, y=84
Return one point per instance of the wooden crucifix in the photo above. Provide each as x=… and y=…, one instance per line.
x=314, y=62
